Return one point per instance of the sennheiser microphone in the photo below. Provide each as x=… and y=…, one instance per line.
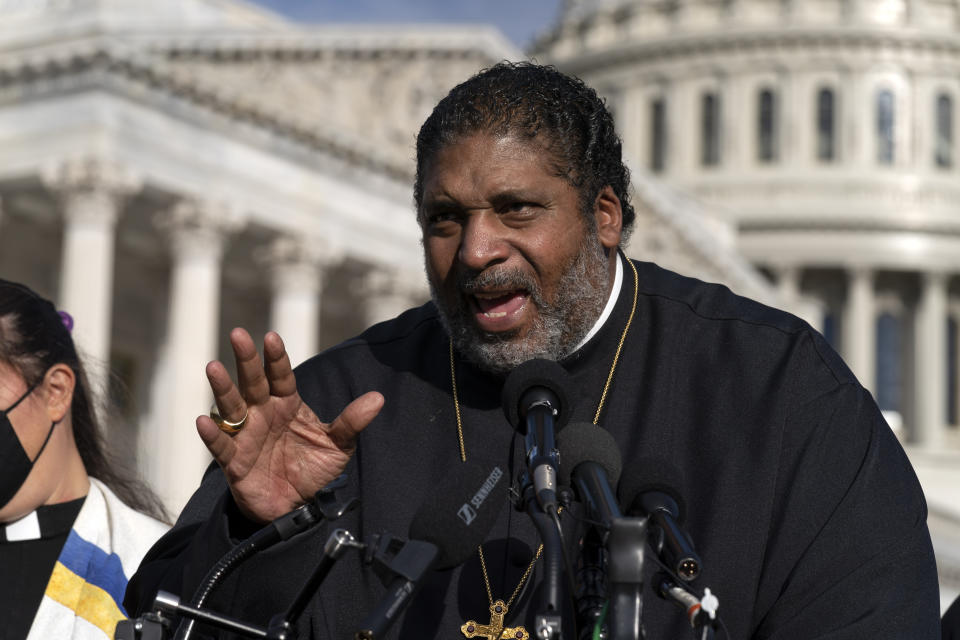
x=445, y=532
x=536, y=402
x=646, y=494
x=458, y=518
x=590, y=463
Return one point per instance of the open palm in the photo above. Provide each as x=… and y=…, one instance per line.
x=284, y=453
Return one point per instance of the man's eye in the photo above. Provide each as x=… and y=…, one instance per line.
x=441, y=217
x=519, y=207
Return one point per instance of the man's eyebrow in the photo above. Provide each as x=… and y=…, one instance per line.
x=440, y=200
x=511, y=195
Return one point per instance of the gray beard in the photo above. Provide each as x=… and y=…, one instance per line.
x=558, y=328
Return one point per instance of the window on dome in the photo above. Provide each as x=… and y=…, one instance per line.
x=826, y=126
x=710, y=130
x=885, y=125
x=889, y=336
x=658, y=135
x=953, y=384
x=943, y=140
x=767, y=142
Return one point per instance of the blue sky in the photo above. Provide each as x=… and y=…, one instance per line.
x=520, y=20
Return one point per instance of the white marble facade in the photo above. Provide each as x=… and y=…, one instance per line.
x=171, y=170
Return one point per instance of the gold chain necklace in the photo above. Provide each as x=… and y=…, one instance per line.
x=495, y=630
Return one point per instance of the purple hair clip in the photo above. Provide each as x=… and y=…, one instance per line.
x=66, y=319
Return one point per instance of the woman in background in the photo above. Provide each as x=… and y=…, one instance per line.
x=72, y=527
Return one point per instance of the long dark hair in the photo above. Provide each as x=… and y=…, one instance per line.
x=33, y=338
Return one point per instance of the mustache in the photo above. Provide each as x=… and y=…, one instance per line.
x=504, y=278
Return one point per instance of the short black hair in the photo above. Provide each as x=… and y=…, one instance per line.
x=534, y=101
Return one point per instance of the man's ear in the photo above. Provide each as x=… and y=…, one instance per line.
x=609, y=217
x=58, y=385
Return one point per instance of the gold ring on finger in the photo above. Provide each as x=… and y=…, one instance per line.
x=225, y=425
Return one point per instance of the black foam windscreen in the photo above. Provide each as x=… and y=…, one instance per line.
x=647, y=475
x=461, y=512
x=585, y=442
x=537, y=378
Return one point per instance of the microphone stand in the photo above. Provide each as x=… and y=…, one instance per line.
x=154, y=625
x=625, y=548
x=392, y=558
x=548, y=620
x=625, y=539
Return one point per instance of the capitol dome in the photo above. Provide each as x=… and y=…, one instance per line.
x=820, y=136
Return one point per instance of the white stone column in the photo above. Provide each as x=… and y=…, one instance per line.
x=297, y=269
x=198, y=232
x=860, y=327
x=805, y=307
x=389, y=292
x=630, y=122
x=930, y=366
x=91, y=192
x=788, y=282
x=683, y=128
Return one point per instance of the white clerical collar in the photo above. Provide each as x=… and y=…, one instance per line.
x=26, y=528
x=608, y=309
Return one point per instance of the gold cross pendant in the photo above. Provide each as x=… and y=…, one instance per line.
x=495, y=630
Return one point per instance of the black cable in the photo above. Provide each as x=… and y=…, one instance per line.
x=568, y=568
x=280, y=529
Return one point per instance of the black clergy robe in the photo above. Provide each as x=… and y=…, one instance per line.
x=804, y=508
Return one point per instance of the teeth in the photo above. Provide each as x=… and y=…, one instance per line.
x=495, y=314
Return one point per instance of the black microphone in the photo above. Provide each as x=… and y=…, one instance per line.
x=536, y=402
x=590, y=463
x=410, y=564
x=646, y=494
x=446, y=530
x=458, y=518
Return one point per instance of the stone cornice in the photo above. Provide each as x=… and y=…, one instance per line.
x=789, y=224
x=684, y=45
x=98, y=62
x=126, y=60
x=449, y=40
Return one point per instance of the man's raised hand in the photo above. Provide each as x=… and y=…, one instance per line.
x=284, y=453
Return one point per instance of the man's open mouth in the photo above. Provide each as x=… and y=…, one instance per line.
x=497, y=305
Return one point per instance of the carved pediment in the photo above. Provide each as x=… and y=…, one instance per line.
x=380, y=99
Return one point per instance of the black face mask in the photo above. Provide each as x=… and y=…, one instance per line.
x=15, y=464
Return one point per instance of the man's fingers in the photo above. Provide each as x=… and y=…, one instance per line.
x=221, y=445
x=279, y=372
x=250, y=376
x=354, y=419
x=226, y=395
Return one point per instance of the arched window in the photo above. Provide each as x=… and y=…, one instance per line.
x=885, y=126
x=767, y=139
x=710, y=129
x=943, y=137
x=826, y=126
x=953, y=354
x=831, y=332
x=888, y=361
x=658, y=135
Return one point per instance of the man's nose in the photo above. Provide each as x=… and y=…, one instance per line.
x=483, y=243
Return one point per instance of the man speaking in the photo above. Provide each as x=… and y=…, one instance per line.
x=805, y=512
